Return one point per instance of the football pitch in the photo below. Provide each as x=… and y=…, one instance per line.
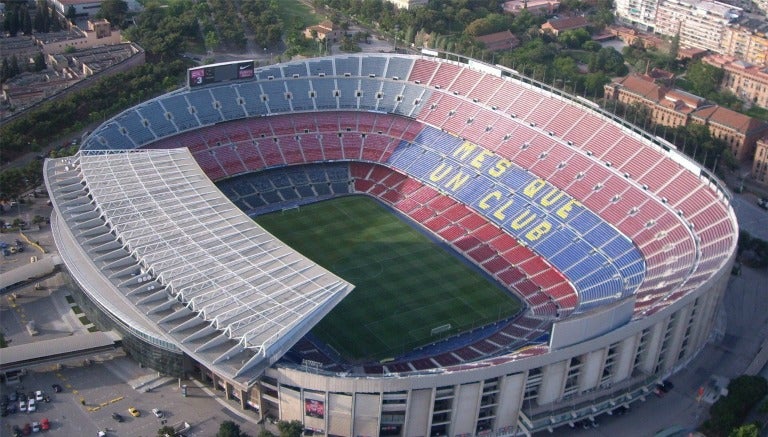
x=406, y=284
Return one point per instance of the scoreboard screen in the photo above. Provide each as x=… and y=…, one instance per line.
x=222, y=72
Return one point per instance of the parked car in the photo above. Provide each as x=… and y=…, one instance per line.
x=31, y=406
x=667, y=384
x=157, y=413
x=134, y=412
x=39, y=395
x=117, y=417
x=45, y=425
x=35, y=426
x=22, y=406
x=56, y=388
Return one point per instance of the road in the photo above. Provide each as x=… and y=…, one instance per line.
x=752, y=218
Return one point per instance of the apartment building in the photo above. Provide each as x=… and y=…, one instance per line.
x=700, y=23
x=749, y=43
x=638, y=13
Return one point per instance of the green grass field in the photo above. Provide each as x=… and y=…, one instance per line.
x=406, y=284
x=298, y=14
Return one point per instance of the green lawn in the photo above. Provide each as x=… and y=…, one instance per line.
x=406, y=284
x=296, y=13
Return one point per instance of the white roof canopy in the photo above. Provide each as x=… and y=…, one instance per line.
x=204, y=257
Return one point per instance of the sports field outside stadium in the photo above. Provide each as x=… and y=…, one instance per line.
x=406, y=284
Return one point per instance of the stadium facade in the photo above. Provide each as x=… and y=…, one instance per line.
x=619, y=246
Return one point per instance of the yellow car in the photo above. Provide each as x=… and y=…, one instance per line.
x=134, y=412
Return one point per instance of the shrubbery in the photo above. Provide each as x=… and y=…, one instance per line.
x=744, y=392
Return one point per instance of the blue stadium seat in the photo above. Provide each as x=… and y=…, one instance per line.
x=227, y=98
x=322, y=189
x=110, y=137
x=280, y=180
x=349, y=65
x=338, y=172
x=516, y=178
x=399, y=68
x=373, y=65
x=555, y=242
x=390, y=91
x=598, y=276
x=295, y=69
x=276, y=92
x=135, y=127
x=370, y=89
x=347, y=93
x=158, y=122
x=585, y=221
x=317, y=67
x=340, y=187
x=317, y=174
x=305, y=191
x=202, y=101
x=251, y=94
x=300, y=99
x=288, y=194
x=325, y=88
x=298, y=177
x=617, y=246
x=273, y=71
x=411, y=100
x=178, y=106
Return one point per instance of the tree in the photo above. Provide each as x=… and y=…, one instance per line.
x=113, y=10
x=674, y=48
x=348, y=44
x=704, y=78
x=11, y=23
x=166, y=431
x=750, y=430
x=71, y=13
x=41, y=17
x=15, y=69
x=26, y=22
x=211, y=40
x=294, y=428
x=573, y=38
x=229, y=428
x=39, y=61
x=5, y=70
x=743, y=393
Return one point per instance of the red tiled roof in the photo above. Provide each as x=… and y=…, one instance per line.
x=568, y=23
x=499, y=40
x=642, y=87
x=729, y=118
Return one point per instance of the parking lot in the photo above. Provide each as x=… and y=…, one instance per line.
x=92, y=393
x=111, y=383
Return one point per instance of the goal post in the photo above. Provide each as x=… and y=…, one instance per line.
x=440, y=329
x=291, y=208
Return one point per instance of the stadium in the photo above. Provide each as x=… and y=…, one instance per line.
x=384, y=244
